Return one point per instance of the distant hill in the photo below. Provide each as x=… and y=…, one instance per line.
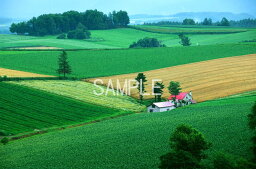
x=197, y=16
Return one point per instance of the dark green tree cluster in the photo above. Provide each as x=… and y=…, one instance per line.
x=244, y=23
x=224, y=22
x=187, y=149
x=147, y=43
x=207, y=21
x=184, y=40
x=51, y=24
x=81, y=32
x=188, y=21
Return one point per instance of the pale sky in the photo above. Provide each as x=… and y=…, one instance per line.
x=30, y=8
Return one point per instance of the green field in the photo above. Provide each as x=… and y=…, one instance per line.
x=24, y=109
x=114, y=38
x=95, y=63
x=190, y=29
x=84, y=91
x=134, y=141
x=123, y=37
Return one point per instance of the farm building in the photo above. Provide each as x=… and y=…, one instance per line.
x=161, y=107
x=183, y=99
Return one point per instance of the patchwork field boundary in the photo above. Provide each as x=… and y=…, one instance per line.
x=202, y=78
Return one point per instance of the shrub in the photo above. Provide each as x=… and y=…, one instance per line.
x=62, y=36
x=147, y=43
x=185, y=41
x=3, y=78
x=79, y=34
x=4, y=140
x=71, y=34
x=3, y=133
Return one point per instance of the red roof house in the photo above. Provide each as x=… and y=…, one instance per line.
x=181, y=96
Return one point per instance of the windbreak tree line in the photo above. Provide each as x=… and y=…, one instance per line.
x=208, y=21
x=52, y=24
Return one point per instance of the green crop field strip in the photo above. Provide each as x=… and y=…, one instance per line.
x=189, y=30
x=84, y=91
x=96, y=63
x=123, y=37
x=23, y=109
x=135, y=141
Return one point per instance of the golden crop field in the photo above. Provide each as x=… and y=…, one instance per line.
x=207, y=80
x=16, y=73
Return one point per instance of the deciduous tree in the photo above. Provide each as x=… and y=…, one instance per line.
x=141, y=79
x=187, y=149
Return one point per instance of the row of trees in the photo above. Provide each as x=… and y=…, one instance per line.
x=51, y=24
x=174, y=88
x=188, y=148
x=208, y=21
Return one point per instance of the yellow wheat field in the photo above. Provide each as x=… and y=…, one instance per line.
x=16, y=73
x=207, y=80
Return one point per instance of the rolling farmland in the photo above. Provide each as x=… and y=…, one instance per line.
x=85, y=92
x=123, y=37
x=135, y=141
x=24, y=109
x=96, y=63
x=208, y=79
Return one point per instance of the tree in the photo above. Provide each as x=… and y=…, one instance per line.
x=141, y=79
x=185, y=41
x=174, y=89
x=252, y=125
x=120, y=18
x=188, y=22
x=224, y=22
x=158, y=89
x=207, y=21
x=187, y=149
x=64, y=67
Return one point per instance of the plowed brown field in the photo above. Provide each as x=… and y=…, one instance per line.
x=207, y=80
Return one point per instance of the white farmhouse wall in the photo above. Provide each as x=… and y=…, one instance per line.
x=157, y=109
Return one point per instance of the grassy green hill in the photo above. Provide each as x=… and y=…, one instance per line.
x=123, y=37
x=95, y=63
x=24, y=109
x=134, y=141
